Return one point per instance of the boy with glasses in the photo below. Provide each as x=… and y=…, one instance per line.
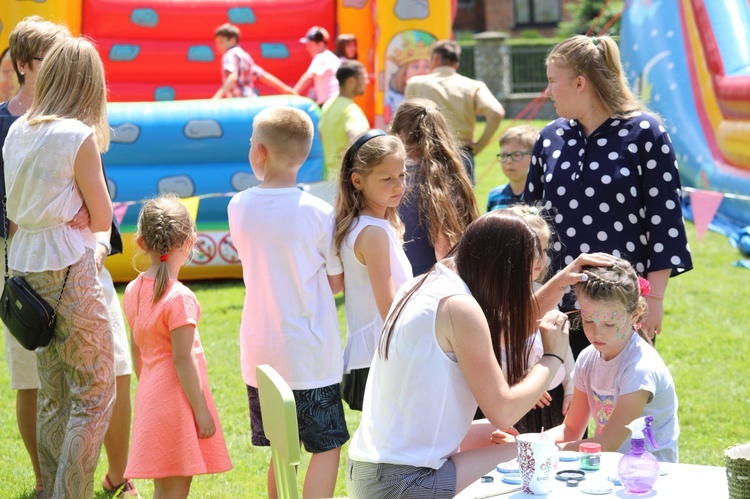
x=516, y=144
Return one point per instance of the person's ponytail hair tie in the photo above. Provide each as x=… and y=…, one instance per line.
x=645, y=286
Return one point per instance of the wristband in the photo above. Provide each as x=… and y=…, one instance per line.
x=106, y=245
x=555, y=356
x=655, y=297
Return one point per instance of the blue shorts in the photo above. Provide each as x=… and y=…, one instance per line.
x=320, y=418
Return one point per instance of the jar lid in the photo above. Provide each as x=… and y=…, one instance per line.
x=590, y=447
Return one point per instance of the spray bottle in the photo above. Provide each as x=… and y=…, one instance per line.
x=639, y=469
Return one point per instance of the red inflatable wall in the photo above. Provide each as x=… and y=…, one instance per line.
x=164, y=49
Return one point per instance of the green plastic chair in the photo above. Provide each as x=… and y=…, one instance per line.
x=279, y=413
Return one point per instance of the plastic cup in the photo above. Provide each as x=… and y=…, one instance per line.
x=536, y=460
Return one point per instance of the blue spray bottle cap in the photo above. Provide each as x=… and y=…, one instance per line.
x=641, y=429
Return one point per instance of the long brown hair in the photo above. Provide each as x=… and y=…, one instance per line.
x=442, y=188
x=495, y=258
x=361, y=159
x=597, y=58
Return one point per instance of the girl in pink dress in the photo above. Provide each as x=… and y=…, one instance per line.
x=176, y=431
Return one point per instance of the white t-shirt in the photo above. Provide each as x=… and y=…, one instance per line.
x=418, y=406
x=324, y=67
x=284, y=239
x=363, y=321
x=637, y=367
x=42, y=195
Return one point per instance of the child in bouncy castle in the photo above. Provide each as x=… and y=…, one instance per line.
x=411, y=59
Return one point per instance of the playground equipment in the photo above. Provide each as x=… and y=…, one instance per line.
x=689, y=67
x=161, y=54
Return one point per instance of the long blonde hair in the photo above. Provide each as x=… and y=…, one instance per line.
x=597, y=58
x=71, y=85
x=442, y=188
x=361, y=158
x=164, y=224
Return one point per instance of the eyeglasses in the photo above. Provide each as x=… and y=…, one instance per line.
x=40, y=59
x=512, y=156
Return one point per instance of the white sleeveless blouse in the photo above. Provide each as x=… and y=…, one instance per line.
x=363, y=321
x=42, y=194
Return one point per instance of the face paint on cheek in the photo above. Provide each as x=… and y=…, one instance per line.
x=598, y=316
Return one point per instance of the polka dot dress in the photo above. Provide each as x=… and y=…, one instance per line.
x=617, y=191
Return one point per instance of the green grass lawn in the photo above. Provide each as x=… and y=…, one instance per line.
x=705, y=344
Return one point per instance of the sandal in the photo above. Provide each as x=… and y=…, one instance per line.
x=40, y=493
x=125, y=489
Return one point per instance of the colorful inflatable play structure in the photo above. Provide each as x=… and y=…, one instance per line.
x=160, y=61
x=691, y=62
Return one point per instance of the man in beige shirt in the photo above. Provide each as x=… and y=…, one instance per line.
x=459, y=98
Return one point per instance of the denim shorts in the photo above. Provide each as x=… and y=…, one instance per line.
x=320, y=418
x=386, y=481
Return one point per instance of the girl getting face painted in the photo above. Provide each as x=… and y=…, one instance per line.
x=611, y=307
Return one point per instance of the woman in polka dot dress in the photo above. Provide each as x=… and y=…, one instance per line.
x=606, y=170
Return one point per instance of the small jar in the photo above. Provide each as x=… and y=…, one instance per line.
x=591, y=455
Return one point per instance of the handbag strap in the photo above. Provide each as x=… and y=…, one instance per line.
x=7, y=234
x=7, y=275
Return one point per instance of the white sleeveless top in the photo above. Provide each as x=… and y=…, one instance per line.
x=363, y=321
x=418, y=406
x=42, y=194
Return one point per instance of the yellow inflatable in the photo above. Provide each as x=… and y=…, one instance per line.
x=67, y=12
x=406, y=31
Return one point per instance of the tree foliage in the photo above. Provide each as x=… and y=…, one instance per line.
x=583, y=16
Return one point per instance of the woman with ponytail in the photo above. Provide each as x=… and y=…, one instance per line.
x=607, y=173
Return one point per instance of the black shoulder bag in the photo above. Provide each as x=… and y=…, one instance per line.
x=27, y=315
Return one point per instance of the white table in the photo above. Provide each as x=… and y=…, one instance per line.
x=682, y=481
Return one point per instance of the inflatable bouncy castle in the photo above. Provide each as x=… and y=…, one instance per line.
x=160, y=61
x=691, y=64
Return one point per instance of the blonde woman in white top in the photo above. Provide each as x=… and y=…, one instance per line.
x=53, y=168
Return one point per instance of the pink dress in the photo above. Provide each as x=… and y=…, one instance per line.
x=165, y=440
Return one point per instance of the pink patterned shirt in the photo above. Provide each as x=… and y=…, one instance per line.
x=236, y=60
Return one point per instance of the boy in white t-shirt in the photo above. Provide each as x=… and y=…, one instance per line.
x=322, y=70
x=284, y=238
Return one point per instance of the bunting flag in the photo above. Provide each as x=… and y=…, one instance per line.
x=119, y=211
x=705, y=205
x=191, y=204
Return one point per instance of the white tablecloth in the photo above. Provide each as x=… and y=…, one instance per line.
x=682, y=481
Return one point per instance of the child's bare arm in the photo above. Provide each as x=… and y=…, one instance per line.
x=372, y=248
x=576, y=420
x=274, y=82
x=136, y=354
x=230, y=80
x=336, y=282
x=628, y=408
x=187, y=371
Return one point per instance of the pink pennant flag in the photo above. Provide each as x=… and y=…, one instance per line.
x=119, y=211
x=705, y=205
